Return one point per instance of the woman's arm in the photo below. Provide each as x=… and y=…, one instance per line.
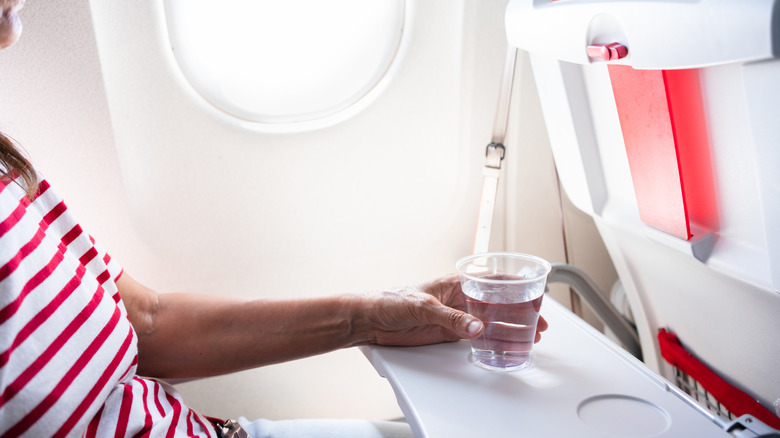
x=191, y=335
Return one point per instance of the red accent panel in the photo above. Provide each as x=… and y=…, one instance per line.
x=645, y=119
x=733, y=399
x=664, y=130
x=684, y=92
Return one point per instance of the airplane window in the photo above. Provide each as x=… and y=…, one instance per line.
x=287, y=65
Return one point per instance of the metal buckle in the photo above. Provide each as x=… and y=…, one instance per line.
x=495, y=146
x=494, y=153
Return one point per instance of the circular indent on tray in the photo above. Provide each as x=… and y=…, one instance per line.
x=623, y=416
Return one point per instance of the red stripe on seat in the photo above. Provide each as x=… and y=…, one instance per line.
x=732, y=398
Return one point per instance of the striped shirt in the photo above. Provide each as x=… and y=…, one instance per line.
x=68, y=353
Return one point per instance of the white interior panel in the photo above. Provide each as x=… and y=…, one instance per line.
x=189, y=199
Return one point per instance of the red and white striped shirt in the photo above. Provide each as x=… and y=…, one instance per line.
x=68, y=353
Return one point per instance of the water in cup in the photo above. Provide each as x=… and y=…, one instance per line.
x=505, y=291
x=510, y=323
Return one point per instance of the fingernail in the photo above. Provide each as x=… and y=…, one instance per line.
x=474, y=327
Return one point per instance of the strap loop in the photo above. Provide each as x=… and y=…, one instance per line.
x=494, y=154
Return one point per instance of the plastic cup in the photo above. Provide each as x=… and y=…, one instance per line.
x=505, y=291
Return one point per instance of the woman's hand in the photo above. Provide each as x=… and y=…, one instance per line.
x=196, y=335
x=424, y=314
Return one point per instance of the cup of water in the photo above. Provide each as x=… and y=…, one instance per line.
x=505, y=291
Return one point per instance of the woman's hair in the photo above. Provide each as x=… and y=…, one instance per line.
x=16, y=166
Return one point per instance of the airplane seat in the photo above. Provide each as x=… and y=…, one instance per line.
x=662, y=118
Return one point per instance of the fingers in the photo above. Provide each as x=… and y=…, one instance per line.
x=474, y=328
x=447, y=290
x=461, y=323
x=541, y=326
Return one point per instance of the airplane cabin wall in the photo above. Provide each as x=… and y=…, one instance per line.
x=189, y=201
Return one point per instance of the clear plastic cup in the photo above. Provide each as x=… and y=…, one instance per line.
x=505, y=291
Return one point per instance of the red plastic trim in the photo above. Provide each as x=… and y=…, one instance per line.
x=733, y=399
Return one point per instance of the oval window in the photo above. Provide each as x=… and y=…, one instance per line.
x=287, y=64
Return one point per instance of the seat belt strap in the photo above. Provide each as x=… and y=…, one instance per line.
x=494, y=154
